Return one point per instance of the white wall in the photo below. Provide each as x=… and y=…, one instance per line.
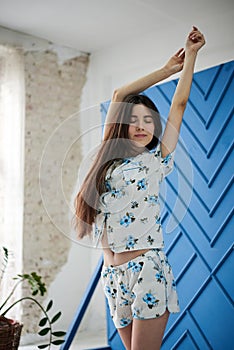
x=121, y=63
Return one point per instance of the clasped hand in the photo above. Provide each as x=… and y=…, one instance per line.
x=194, y=42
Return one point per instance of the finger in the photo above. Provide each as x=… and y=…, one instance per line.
x=197, y=37
x=178, y=53
x=194, y=31
x=182, y=55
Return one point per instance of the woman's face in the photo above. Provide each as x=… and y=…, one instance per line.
x=141, y=125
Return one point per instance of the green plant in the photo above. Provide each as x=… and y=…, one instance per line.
x=38, y=287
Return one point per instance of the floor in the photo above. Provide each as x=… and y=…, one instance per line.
x=82, y=342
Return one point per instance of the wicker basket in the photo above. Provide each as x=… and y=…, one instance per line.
x=10, y=332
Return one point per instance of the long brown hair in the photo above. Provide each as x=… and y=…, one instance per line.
x=115, y=146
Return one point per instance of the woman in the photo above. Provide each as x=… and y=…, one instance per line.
x=120, y=197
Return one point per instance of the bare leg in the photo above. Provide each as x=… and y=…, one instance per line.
x=126, y=335
x=148, y=334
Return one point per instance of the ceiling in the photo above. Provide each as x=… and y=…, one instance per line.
x=92, y=25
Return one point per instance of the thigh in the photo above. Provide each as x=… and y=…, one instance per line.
x=154, y=289
x=126, y=335
x=148, y=334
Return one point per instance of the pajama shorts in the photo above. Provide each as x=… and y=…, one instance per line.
x=141, y=288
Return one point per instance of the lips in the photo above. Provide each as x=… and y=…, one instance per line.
x=140, y=135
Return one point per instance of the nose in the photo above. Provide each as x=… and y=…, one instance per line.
x=140, y=125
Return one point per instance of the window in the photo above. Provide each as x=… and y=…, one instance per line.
x=12, y=107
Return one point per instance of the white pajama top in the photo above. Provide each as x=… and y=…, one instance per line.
x=130, y=208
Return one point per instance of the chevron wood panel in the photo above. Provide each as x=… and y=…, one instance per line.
x=198, y=213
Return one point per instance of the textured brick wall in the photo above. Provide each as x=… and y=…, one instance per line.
x=53, y=93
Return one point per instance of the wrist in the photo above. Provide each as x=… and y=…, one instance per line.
x=167, y=71
x=191, y=52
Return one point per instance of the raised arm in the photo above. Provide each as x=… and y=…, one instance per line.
x=174, y=65
x=194, y=42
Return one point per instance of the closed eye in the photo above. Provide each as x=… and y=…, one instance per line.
x=133, y=119
x=147, y=119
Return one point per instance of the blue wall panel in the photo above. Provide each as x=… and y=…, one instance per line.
x=198, y=214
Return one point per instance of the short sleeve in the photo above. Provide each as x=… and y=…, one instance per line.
x=167, y=164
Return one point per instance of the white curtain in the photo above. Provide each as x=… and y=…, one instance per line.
x=12, y=111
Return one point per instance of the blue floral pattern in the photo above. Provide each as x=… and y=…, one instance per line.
x=150, y=300
x=132, y=202
x=141, y=288
x=151, y=199
x=167, y=159
x=160, y=277
x=117, y=193
x=131, y=242
x=135, y=267
x=125, y=321
x=141, y=184
x=127, y=219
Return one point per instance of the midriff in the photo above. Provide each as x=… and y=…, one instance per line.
x=115, y=259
